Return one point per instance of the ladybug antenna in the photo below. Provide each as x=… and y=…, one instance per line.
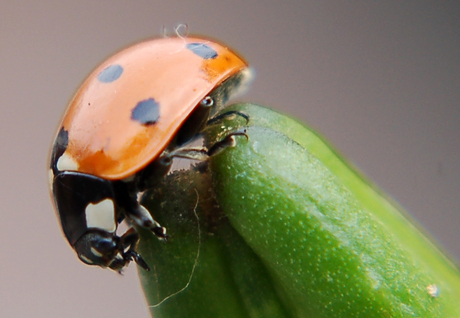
x=181, y=30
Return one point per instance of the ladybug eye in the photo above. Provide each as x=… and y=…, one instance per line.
x=207, y=102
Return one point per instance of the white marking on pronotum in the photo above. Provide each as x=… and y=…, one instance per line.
x=66, y=163
x=196, y=257
x=101, y=215
x=433, y=290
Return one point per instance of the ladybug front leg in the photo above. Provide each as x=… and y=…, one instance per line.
x=228, y=141
x=203, y=153
x=141, y=216
x=129, y=241
x=227, y=115
x=192, y=153
x=126, y=197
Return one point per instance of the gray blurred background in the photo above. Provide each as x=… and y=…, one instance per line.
x=380, y=79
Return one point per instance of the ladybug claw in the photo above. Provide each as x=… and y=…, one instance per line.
x=131, y=255
x=160, y=232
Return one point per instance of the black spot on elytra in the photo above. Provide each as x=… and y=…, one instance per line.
x=146, y=112
x=59, y=147
x=202, y=50
x=110, y=73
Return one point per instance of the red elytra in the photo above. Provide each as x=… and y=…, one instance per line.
x=174, y=74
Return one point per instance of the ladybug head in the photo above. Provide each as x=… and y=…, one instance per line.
x=105, y=249
x=101, y=248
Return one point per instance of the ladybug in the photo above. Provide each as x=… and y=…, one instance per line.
x=125, y=124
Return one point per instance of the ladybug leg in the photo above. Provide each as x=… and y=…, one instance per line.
x=126, y=198
x=228, y=141
x=141, y=216
x=203, y=153
x=193, y=153
x=219, y=118
x=129, y=240
x=144, y=218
